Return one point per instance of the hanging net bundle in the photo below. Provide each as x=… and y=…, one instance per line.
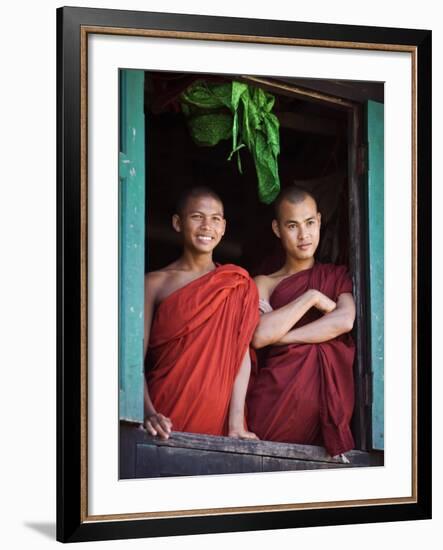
x=237, y=111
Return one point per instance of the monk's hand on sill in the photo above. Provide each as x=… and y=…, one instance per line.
x=322, y=302
x=241, y=433
x=157, y=424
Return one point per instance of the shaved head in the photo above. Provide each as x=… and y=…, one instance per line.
x=292, y=194
x=194, y=193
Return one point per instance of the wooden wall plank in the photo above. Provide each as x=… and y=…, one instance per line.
x=282, y=465
x=175, y=461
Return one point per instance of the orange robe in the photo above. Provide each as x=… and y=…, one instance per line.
x=304, y=393
x=199, y=336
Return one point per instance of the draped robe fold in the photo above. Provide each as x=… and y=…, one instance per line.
x=304, y=393
x=199, y=336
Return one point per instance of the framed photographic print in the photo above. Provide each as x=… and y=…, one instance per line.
x=243, y=274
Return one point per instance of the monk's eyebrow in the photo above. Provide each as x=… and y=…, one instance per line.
x=203, y=214
x=297, y=222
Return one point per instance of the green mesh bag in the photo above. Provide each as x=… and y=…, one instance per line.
x=236, y=110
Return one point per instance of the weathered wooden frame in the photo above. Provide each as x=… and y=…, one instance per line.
x=73, y=27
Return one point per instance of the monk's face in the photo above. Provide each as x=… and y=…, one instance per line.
x=298, y=227
x=201, y=223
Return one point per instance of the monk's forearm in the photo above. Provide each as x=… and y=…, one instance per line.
x=327, y=328
x=148, y=406
x=238, y=397
x=275, y=324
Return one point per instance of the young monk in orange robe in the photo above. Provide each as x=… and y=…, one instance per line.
x=199, y=321
x=304, y=391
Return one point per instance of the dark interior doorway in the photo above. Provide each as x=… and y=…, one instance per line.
x=313, y=153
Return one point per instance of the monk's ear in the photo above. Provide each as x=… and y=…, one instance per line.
x=275, y=228
x=176, y=223
x=319, y=219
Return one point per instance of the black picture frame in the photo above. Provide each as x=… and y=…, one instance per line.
x=72, y=519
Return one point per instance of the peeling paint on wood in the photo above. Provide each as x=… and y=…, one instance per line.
x=375, y=125
x=131, y=243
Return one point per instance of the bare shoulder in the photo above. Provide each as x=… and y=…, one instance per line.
x=154, y=281
x=160, y=275
x=156, y=277
x=264, y=284
x=262, y=280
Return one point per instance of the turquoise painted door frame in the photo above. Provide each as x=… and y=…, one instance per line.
x=375, y=139
x=132, y=250
x=131, y=244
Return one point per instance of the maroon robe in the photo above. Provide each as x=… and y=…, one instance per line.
x=304, y=393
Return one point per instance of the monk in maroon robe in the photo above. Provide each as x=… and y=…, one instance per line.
x=304, y=391
x=199, y=321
